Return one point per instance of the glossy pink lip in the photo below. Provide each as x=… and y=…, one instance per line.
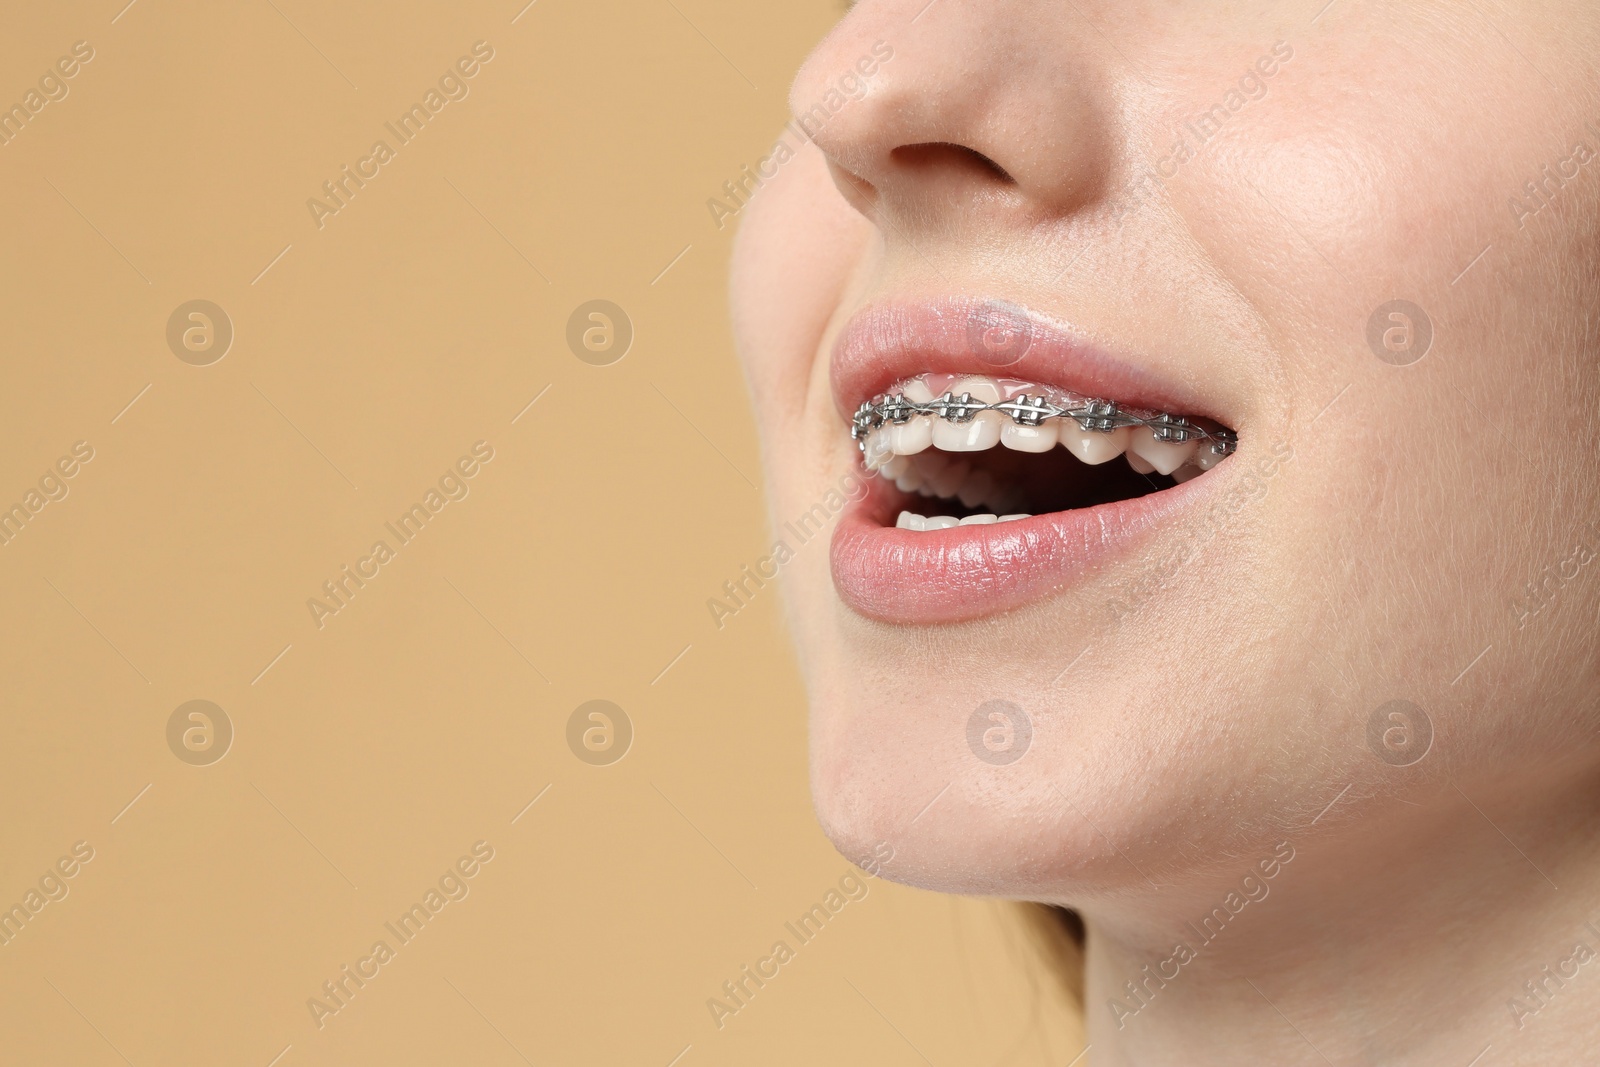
x=911, y=577
x=885, y=343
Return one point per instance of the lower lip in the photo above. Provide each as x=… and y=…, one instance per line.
x=915, y=577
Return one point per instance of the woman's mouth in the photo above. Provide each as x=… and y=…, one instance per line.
x=989, y=490
x=970, y=450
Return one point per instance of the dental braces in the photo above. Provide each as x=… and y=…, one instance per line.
x=1093, y=416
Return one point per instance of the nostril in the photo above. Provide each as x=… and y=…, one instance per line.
x=941, y=153
x=857, y=191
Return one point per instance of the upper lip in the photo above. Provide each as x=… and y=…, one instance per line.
x=888, y=342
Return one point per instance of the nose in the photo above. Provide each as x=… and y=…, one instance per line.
x=993, y=107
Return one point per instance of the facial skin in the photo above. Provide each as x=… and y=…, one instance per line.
x=1223, y=707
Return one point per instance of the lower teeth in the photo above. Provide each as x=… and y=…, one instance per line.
x=912, y=521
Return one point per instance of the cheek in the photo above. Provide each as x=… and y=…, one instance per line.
x=1329, y=202
x=797, y=245
x=797, y=248
x=1325, y=195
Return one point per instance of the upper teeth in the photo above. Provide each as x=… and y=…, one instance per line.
x=970, y=416
x=979, y=398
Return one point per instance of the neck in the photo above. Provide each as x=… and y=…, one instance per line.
x=1463, y=923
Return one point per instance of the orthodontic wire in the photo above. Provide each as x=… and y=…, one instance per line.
x=1095, y=416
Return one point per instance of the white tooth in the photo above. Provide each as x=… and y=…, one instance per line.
x=1163, y=456
x=978, y=434
x=1185, y=472
x=911, y=436
x=1205, y=459
x=945, y=479
x=909, y=521
x=1041, y=438
x=877, y=452
x=1009, y=518
x=983, y=390
x=1139, y=463
x=895, y=467
x=1091, y=446
x=917, y=391
x=939, y=522
x=976, y=489
x=910, y=481
x=978, y=520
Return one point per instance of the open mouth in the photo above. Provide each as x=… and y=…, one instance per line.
x=1012, y=458
x=970, y=450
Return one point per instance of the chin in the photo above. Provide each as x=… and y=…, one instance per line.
x=986, y=789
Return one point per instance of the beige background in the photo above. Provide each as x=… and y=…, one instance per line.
x=425, y=716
